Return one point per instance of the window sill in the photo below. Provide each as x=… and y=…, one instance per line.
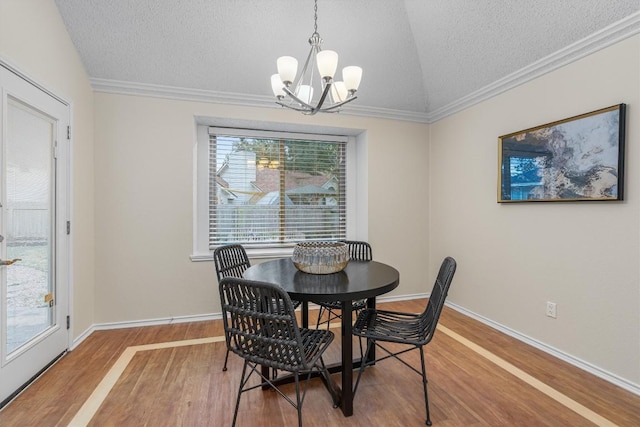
x=253, y=253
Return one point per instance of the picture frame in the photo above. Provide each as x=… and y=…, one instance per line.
x=580, y=158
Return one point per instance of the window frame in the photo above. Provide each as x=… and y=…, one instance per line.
x=355, y=154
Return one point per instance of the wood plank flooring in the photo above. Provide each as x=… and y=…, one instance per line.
x=477, y=377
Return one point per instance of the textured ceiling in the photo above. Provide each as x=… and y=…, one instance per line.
x=418, y=56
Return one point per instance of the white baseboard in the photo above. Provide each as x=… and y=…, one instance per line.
x=585, y=366
x=196, y=318
x=83, y=336
x=146, y=322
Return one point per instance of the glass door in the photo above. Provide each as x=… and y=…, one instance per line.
x=27, y=210
x=34, y=303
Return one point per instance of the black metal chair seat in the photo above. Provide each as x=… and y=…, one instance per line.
x=392, y=326
x=413, y=330
x=260, y=326
x=279, y=356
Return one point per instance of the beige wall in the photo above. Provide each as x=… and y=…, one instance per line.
x=513, y=258
x=431, y=192
x=144, y=202
x=33, y=39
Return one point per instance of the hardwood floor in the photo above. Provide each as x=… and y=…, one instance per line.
x=477, y=377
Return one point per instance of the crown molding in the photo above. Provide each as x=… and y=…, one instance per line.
x=122, y=87
x=386, y=113
x=199, y=95
x=608, y=36
x=599, y=40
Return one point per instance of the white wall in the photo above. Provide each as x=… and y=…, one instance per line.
x=34, y=39
x=144, y=205
x=514, y=257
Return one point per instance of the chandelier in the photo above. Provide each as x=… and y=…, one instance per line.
x=297, y=93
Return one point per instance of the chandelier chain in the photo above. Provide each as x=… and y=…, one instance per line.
x=315, y=17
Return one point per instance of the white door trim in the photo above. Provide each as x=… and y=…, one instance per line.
x=63, y=211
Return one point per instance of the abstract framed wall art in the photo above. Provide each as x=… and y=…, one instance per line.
x=576, y=159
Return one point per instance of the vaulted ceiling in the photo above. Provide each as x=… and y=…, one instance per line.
x=421, y=58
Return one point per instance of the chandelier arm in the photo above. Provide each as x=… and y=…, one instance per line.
x=327, y=87
x=308, y=109
x=295, y=98
x=338, y=105
x=292, y=107
x=300, y=79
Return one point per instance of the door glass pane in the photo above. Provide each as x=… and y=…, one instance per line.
x=27, y=211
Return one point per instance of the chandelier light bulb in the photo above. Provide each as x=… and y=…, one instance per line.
x=339, y=91
x=305, y=93
x=277, y=85
x=352, y=76
x=287, y=69
x=327, y=63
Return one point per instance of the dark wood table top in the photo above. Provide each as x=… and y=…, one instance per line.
x=359, y=280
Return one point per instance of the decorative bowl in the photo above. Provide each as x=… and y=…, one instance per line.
x=321, y=257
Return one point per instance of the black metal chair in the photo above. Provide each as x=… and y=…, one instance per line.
x=414, y=330
x=232, y=261
x=260, y=326
x=358, y=251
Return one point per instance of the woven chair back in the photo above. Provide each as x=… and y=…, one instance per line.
x=431, y=314
x=260, y=324
x=230, y=261
x=359, y=251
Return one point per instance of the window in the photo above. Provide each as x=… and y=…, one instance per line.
x=268, y=190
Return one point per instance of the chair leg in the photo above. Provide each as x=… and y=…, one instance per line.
x=327, y=377
x=424, y=386
x=242, y=382
x=360, y=339
x=322, y=309
x=226, y=358
x=363, y=363
x=331, y=315
x=362, y=359
x=298, y=403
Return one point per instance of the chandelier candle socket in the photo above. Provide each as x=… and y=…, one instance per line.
x=297, y=94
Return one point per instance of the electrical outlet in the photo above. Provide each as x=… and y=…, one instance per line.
x=551, y=309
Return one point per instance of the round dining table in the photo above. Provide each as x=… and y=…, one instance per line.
x=359, y=280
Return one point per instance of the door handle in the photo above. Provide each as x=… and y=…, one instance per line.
x=9, y=261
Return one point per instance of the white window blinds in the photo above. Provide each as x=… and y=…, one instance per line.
x=269, y=189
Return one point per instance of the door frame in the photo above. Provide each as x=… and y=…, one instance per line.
x=64, y=246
